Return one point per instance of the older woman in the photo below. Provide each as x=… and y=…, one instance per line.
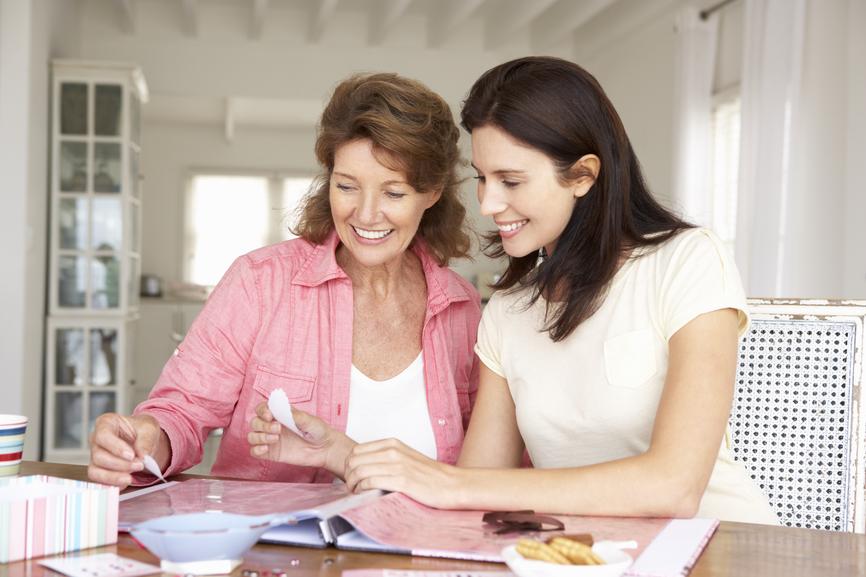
x=359, y=321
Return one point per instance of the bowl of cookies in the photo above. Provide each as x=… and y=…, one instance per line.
x=568, y=557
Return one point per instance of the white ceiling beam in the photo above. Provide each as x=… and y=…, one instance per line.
x=230, y=120
x=384, y=19
x=449, y=17
x=257, y=20
x=125, y=16
x=323, y=11
x=512, y=19
x=189, y=10
x=562, y=20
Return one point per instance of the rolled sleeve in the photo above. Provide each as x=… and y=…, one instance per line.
x=201, y=383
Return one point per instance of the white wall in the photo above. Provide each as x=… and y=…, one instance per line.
x=31, y=33
x=630, y=48
x=171, y=151
x=222, y=61
x=15, y=34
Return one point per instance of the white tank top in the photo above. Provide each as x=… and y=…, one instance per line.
x=396, y=408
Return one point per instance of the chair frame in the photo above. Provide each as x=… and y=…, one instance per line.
x=852, y=311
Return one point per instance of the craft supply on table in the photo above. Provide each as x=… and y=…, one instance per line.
x=43, y=515
x=281, y=409
x=153, y=468
x=422, y=573
x=203, y=543
x=101, y=565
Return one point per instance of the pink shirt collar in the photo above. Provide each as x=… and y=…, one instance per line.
x=442, y=288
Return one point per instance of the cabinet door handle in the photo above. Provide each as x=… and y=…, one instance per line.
x=176, y=337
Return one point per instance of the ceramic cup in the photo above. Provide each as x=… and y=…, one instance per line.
x=12, y=429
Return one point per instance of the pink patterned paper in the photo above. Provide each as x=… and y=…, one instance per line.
x=241, y=497
x=398, y=521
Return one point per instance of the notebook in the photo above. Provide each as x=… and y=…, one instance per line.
x=328, y=515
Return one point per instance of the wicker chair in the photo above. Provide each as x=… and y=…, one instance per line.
x=799, y=410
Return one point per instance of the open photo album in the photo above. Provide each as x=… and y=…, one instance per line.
x=328, y=515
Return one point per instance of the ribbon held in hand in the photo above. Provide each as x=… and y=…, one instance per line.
x=521, y=521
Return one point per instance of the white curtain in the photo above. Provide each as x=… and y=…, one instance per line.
x=697, y=41
x=854, y=240
x=770, y=90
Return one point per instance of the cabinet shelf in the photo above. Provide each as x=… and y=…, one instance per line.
x=95, y=244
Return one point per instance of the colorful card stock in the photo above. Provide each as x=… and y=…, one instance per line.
x=41, y=515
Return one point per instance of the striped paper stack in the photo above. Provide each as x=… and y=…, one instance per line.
x=41, y=515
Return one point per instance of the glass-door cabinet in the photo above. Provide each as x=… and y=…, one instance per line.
x=95, y=248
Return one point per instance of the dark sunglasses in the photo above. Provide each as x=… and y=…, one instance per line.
x=520, y=521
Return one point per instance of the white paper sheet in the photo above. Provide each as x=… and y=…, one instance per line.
x=153, y=468
x=281, y=409
x=102, y=565
x=675, y=550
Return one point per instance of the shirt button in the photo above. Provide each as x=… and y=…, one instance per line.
x=441, y=422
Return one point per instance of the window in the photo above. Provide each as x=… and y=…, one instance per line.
x=230, y=215
x=725, y=164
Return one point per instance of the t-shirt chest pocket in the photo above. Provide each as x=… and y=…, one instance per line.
x=630, y=358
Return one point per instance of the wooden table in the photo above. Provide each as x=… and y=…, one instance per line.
x=736, y=550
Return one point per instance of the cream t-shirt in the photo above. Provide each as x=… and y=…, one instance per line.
x=593, y=397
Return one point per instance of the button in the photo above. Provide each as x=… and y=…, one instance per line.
x=441, y=422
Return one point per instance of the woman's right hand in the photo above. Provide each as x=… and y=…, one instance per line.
x=118, y=445
x=321, y=445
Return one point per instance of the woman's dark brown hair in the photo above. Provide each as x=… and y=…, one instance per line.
x=412, y=131
x=560, y=109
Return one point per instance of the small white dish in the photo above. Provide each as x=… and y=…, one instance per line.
x=203, y=543
x=616, y=563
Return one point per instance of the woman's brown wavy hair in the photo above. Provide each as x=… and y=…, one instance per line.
x=412, y=131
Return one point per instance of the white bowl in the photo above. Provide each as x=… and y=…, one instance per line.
x=616, y=563
x=200, y=539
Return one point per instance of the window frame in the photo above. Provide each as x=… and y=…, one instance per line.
x=275, y=180
x=724, y=97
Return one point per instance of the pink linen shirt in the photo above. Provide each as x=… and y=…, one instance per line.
x=281, y=317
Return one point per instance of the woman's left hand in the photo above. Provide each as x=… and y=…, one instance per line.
x=392, y=466
x=320, y=445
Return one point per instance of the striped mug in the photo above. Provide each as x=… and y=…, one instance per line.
x=12, y=429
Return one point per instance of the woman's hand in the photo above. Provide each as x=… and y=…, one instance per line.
x=321, y=446
x=118, y=445
x=392, y=466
